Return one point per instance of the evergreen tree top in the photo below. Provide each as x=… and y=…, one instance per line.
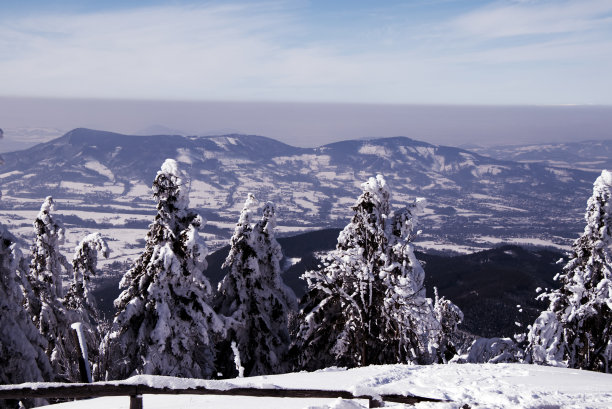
x=247, y=210
x=48, y=264
x=171, y=186
x=86, y=254
x=241, y=239
x=45, y=224
x=375, y=193
x=48, y=205
x=599, y=208
x=268, y=218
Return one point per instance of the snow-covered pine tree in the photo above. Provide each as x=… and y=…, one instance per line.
x=254, y=298
x=280, y=300
x=22, y=347
x=449, y=316
x=48, y=264
x=232, y=295
x=44, y=293
x=340, y=324
x=84, y=266
x=409, y=316
x=367, y=304
x=79, y=301
x=164, y=323
x=576, y=329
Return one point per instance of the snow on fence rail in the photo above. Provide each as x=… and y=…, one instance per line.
x=135, y=392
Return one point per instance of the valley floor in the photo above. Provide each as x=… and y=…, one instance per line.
x=477, y=385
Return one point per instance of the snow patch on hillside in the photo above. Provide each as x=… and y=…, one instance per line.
x=9, y=174
x=307, y=201
x=500, y=207
x=314, y=161
x=490, y=170
x=139, y=190
x=79, y=187
x=521, y=241
x=561, y=174
x=480, y=196
x=184, y=156
x=377, y=150
x=99, y=168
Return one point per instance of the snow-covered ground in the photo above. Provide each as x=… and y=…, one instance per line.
x=477, y=385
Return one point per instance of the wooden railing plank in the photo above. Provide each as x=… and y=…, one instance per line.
x=94, y=390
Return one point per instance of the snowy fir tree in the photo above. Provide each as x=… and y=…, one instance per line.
x=576, y=329
x=410, y=318
x=79, y=301
x=164, y=324
x=22, y=347
x=84, y=266
x=367, y=304
x=254, y=299
x=44, y=293
x=48, y=264
x=449, y=316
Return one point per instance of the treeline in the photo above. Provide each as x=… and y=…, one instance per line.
x=365, y=304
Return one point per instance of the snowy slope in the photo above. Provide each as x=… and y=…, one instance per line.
x=474, y=200
x=479, y=386
x=591, y=155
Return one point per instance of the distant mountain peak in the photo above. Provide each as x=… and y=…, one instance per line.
x=313, y=187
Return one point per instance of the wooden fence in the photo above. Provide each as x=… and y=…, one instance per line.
x=135, y=392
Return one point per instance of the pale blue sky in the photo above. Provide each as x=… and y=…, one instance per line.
x=536, y=52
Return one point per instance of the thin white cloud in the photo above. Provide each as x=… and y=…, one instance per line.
x=533, y=18
x=149, y=52
x=265, y=51
x=221, y=52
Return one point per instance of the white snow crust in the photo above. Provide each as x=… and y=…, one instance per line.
x=96, y=166
x=478, y=385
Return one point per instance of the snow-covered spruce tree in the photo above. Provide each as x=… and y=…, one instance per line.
x=254, y=298
x=576, y=329
x=449, y=316
x=79, y=301
x=22, y=347
x=424, y=331
x=44, y=293
x=279, y=299
x=367, y=304
x=48, y=264
x=164, y=323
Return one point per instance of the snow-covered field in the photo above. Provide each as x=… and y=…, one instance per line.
x=477, y=385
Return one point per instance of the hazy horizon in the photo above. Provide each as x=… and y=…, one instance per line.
x=312, y=124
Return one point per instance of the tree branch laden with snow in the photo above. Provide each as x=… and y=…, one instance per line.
x=164, y=323
x=253, y=297
x=576, y=329
x=366, y=304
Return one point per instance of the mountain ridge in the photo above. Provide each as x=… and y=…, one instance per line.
x=473, y=198
x=588, y=154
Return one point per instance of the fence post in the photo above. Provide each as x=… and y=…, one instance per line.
x=375, y=403
x=83, y=364
x=135, y=401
